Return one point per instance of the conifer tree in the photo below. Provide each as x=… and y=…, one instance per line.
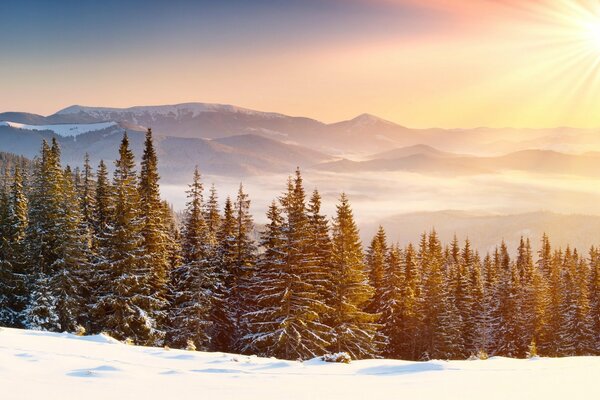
x=393, y=305
x=155, y=254
x=284, y=287
x=355, y=331
x=13, y=273
x=43, y=235
x=195, y=281
x=126, y=310
x=319, y=253
x=375, y=260
x=244, y=258
x=223, y=325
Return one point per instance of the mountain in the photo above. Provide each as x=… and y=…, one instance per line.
x=363, y=135
x=428, y=160
x=408, y=151
x=238, y=156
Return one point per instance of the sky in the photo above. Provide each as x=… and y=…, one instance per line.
x=420, y=63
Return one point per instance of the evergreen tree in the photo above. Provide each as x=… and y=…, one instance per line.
x=355, y=331
x=319, y=253
x=126, y=310
x=243, y=262
x=13, y=273
x=223, y=325
x=43, y=235
x=393, y=305
x=155, y=254
x=194, y=282
x=375, y=260
x=284, y=287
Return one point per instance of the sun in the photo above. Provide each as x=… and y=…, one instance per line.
x=591, y=31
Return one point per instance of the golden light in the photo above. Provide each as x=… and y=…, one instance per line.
x=592, y=33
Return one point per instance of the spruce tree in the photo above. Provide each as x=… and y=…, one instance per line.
x=354, y=330
x=126, y=310
x=13, y=272
x=375, y=260
x=155, y=255
x=285, y=286
x=195, y=281
x=223, y=262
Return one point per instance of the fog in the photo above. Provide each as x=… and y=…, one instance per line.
x=377, y=197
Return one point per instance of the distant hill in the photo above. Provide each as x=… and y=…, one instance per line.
x=239, y=156
x=428, y=160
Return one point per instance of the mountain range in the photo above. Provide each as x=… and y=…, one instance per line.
x=234, y=141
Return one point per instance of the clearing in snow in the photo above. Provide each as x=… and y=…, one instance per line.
x=42, y=365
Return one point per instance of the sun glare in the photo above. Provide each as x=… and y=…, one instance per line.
x=592, y=33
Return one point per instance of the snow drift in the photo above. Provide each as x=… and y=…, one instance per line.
x=41, y=365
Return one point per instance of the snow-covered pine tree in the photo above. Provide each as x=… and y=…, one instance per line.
x=224, y=331
x=594, y=293
x=319, y=253
x=13, y=273
x=244, y=259
x=477, y=319
x=283, y=287
x=508, y=337
x=575, y=334
x=555, y=319
x=155, y=254
x=212, y=216
x=532, y=296
x=43, y=235
x=355, y=331
x=440, y=328
x=394, y=299
x=88, y=193
x=125, y=311
x=70, y=281
x=375, y=260
x=194, y=283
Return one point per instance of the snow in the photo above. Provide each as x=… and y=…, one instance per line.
x=40, y=365
x=175, y=110
x=65, y=130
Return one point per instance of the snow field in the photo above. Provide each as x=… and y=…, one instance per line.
x=41, y=365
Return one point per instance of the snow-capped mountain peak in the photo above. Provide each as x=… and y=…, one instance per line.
x=173, y=110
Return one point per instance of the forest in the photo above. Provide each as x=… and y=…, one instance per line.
x=85, y=252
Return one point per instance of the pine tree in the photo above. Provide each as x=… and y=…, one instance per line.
x=155, y=259
x=13, y=273
x=43, y=235
x=394, y=299
x=375, y=260
x=126, y=310
x=355, y=331
x=441, y=329
x=88, y=193
x=319, y=253
x=284, y=287
x=195, y=281
x=70, y=281
x=594, y=296
x=223, y=325
x=212, y=216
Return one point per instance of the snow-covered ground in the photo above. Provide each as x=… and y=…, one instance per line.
x=39, y=365
x=65, y=130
